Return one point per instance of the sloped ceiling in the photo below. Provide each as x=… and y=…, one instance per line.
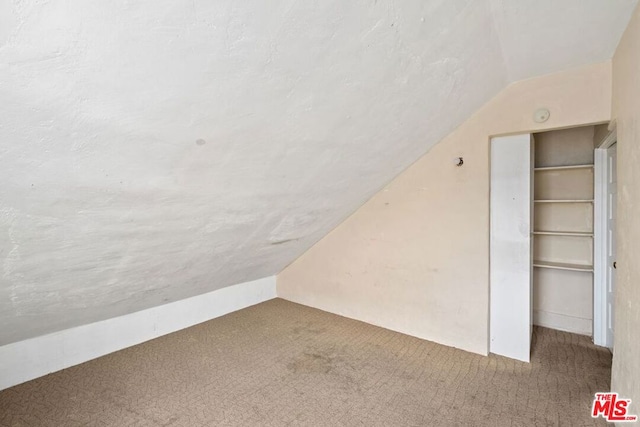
x=155, y=150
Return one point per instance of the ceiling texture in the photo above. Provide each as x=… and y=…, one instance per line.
x=156, y=150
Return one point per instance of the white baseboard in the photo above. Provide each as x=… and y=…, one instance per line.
x=25, y=360
x=562, y=322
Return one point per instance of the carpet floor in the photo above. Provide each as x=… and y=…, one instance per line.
x=280, y=363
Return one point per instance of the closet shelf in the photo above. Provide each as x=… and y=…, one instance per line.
x=558, y=168
x=564, y=201
x=563, y=266
x=564, y=233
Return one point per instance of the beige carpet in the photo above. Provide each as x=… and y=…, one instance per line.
x=280, y=363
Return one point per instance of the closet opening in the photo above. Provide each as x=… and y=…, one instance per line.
x=563, y=227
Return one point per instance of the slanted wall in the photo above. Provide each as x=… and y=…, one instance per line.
x=415, y=257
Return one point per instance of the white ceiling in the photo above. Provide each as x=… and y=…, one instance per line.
x=542, y=37
x=155, y=150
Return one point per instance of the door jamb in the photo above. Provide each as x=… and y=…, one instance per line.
x=600, y=241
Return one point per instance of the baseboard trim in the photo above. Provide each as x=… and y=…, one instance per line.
x=562, y=322
x=25, y=360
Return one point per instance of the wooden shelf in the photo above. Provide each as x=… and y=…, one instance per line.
x=564, y=233
x=564, y=201
x=559, y=168
x=563, y=266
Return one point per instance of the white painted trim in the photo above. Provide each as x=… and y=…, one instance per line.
x=609, y=140
x=562, y=322
x=599, y=246
x=25, y=360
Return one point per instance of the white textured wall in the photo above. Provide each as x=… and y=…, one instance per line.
x=155, y=150
x=626, y=111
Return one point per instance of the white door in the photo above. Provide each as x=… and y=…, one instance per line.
x=612, y=192
x=510, y=247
